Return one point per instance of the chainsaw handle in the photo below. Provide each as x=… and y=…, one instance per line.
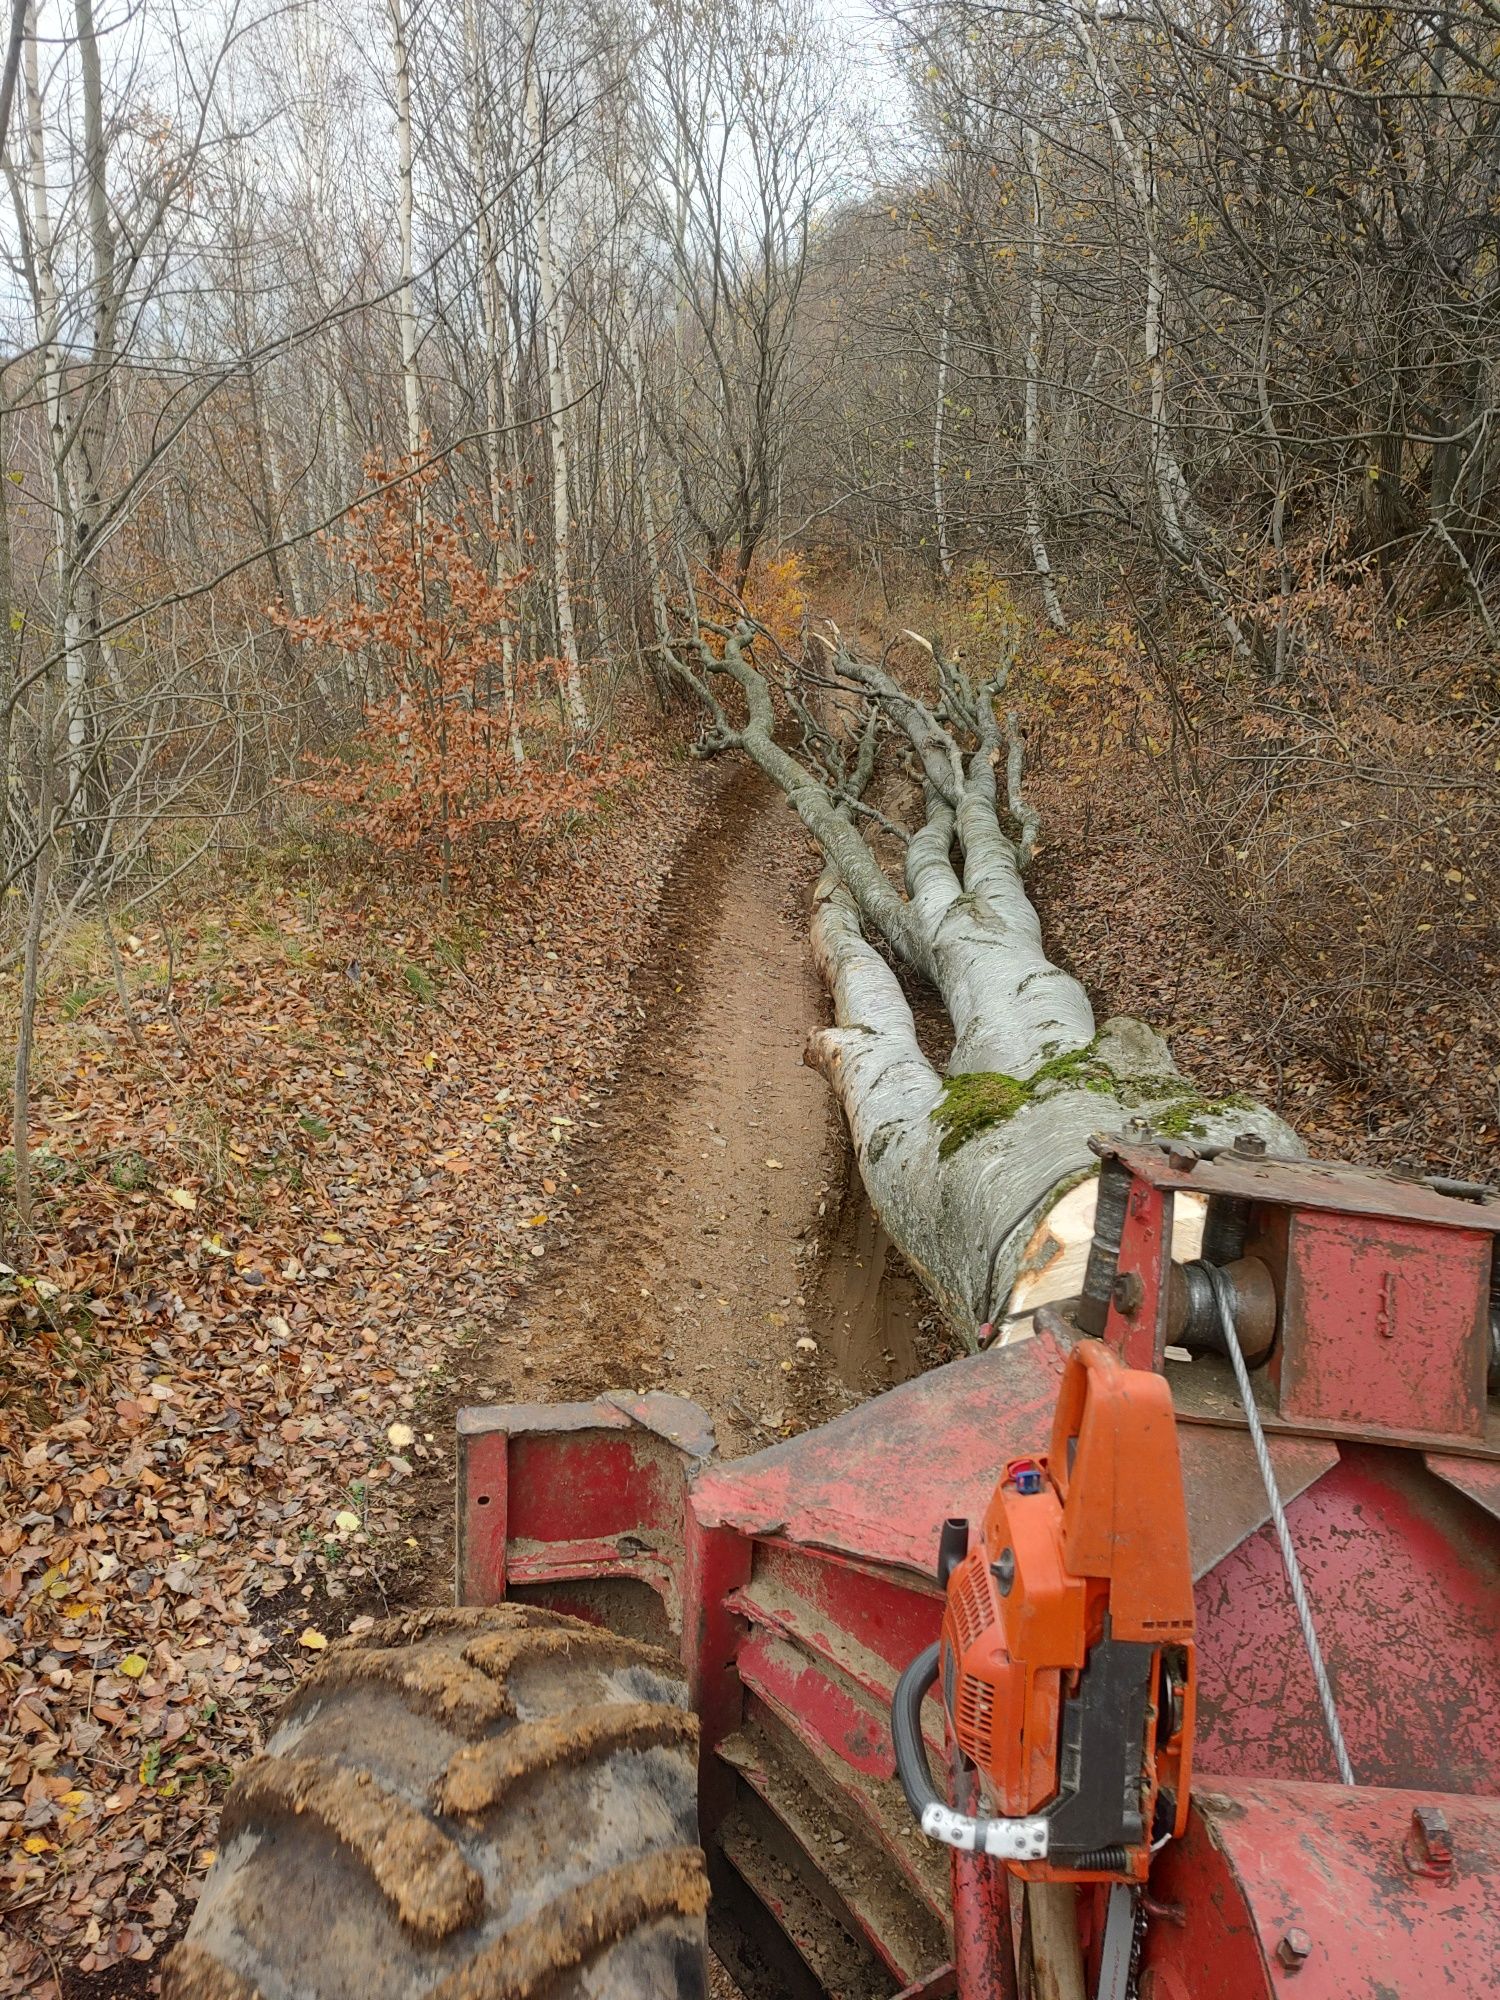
x=1005, y=1839
x=912, y=1767
x=1090, y=1370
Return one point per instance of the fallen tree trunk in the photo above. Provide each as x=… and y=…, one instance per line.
x=961, y=1163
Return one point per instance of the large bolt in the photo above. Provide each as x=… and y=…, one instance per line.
x=1429, y=1846
x=1250, y=1144
x=1128, y=1292
x=1294, y=1948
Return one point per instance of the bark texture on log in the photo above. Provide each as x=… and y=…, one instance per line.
x=961, y=1163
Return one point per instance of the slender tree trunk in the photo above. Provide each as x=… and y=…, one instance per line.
x=31, y=962
x=75, y=673
x=939, y=412
x=648, y=505
x=406, y=297
x=504, y=562
x=1180, y=526
x=1040, y=558
x=95, y=414
x=10, y=659
x=1279, y=496
x=562, y=541
x=1172, y=496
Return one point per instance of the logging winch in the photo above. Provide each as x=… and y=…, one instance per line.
x=1154, y=1655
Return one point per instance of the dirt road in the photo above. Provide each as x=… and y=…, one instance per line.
x=698, y=1229
x=714, y=1228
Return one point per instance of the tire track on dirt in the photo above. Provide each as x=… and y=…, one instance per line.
x=693, y=1248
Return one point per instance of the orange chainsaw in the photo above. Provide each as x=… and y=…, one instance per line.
x=1066, y=1656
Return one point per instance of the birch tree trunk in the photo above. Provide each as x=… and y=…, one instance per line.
x=578, y=720
x=963, y=1163
x=505, y=557
x=1181, y=526
x=648, y=505
x=939, y=498
x=1035, y=534
x=46, y=315
x=411, y=384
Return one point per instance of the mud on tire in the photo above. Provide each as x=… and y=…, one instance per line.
x=463, y=1805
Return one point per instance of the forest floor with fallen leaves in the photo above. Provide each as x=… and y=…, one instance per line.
x=1322, y=926
x=1150, y=937
x=329, y=1146
x=356, y=1153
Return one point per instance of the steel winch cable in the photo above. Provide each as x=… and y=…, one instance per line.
x=1224, y=1298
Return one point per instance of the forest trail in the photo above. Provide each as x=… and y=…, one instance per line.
x=714, y=1228
x=698, y=1231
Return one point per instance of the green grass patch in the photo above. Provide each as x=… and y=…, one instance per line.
x=420, y=983
x=78, y=999
x=129, y=1171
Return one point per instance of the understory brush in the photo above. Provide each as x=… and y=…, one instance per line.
x=1296, y=879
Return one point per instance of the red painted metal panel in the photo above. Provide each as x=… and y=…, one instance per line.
x=855, y=1731
x=1226, y=1496
x=570, y=1490
x=870, y=1625
x=1316, y=1184
x=483, y=1524
x=716, y=1561
x=1384, y=1324
x=1138, y=1335
x=1203, y=1944
x=1325, y=1893
x=590, y=1485
x=983, y=1945
x=1478, y=1478
x=877, y=1483
x=1404, y=1579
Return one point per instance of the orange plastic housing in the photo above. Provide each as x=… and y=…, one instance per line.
x=1100, y=1545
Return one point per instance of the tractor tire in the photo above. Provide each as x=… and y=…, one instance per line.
x=463, y=1805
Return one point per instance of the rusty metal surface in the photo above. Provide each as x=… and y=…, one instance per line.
x=1471, y=1476
x=1325, y=1893
x=940, y=1985
x=573, y=1491
x=1136, y=1322
x=856, y=1729
x=810, y=1619
x=827, y=1953
x=1315, y=1184
x=900, y=1927
x=1403, y=1575
x=1203, y=1391
x=878, y=1482
x=1226, y=1498
x=983, y=1940
x=677, y=1419
x=1384, y=1327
